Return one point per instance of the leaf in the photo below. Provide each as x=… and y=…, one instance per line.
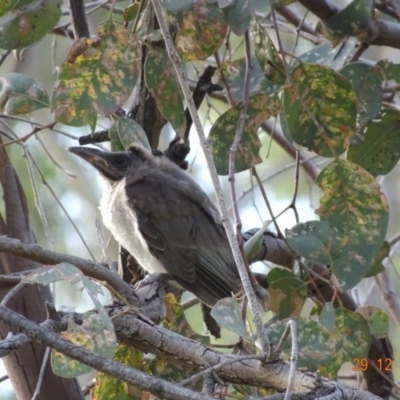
x=288, y=293
x=275, y=274
x=125, y=131
x=65, y=366
x=159, y=75
x=266, y=54
x=97, y=77
x=92, y=334
x=96, y=332
x=357, y=19
x=330, y=99
x=176, y=321
x=377, y=266
x=54, y=273
x=177, y=5
x=316, y=241
x=353, y=204
x=201, y=30
x=21, y=94
x=235, y=72
x=131, y=12
x=377, y=147
x=351, y=336
x=327, y=316
x=288, y=296
x=367, y=83
x=228, y=314
x=390, y=69
x=108, y=387
x=28, y=22
x=315, y=349
x=238, y=13
x=222, y=134
x=378, y=320
x=326, y=54
x=253, y=245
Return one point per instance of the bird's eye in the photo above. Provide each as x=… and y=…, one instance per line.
x=120, y=161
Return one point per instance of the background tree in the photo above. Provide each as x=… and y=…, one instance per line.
x=304, y=92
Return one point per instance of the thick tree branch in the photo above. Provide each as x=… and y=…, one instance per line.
x=389, y=32
x=36, y=253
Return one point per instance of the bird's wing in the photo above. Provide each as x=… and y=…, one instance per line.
x=181, y=228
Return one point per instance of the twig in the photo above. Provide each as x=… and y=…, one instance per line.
x=3, y=57
x=39, y=382
x=293, y=358
x=181, y=76
x=11, y=293
x=246, y=276
x=45, y=183
x=265, y=197
x=28, y=135
x=28, y=159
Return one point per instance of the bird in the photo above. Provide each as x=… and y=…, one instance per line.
x=157, y=212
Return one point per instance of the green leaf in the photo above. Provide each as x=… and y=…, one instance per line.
x=367, y=83
x=377, y=266
x=98, y=75
x=54, y=273
x=21, y=94
x=313, y=341
x=377, y=147
x=357, y=19
x=235, y=72
x=378, y=320
x=160, y=77
x=327, y=316
x=176, y=321
x=351, y=336
x=228, y=314
x=28, y=22
x=8, y=5
x=253, y=245
x=266, y=54
x=222, y=133
x=177, y=5
x=108, y=387
x=238, y=13
x=354, y=205
x=288, y=294
x=95, y=333
x=275, y=274
x=131, y=12
x=390, y=69
x=330, y=99
x=201, y=30
x=129, y=131
x=326, y=54
x=316, y=241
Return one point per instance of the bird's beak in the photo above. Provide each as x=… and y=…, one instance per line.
x=100, y=160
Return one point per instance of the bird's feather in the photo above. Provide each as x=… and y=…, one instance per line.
x=182, y=230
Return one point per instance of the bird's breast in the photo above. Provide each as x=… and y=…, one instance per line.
x=120, y=219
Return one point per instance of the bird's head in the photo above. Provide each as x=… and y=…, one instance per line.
x=113, y=166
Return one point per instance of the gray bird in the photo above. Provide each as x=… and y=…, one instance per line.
x=166, y=221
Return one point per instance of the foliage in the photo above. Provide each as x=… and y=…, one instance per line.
x=326, y=100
